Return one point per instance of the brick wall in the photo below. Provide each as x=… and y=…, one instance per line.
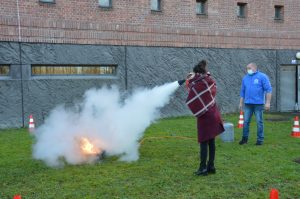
x=131, y=22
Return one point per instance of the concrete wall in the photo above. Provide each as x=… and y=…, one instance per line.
x=40, y=95
x=22, y=95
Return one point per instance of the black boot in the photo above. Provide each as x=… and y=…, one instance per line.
x=212, y=150
x=202, y=171
x=243, y=141
x=211, y=169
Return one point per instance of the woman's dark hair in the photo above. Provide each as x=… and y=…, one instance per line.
x=200, y=67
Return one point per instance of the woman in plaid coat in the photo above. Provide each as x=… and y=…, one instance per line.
x=201, y=101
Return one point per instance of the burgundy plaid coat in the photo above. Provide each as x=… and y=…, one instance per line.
x=201, y=101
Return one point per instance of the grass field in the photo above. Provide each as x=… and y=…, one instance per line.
x=165, y=167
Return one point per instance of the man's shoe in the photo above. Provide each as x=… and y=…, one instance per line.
x=201, y=172
x=259, y=143
x=243, y=141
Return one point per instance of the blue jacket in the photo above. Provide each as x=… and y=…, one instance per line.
x=254, y=88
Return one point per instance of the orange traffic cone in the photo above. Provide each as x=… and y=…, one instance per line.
x=17, y=197
x=31, y=124
x=274, y=194
x=241, y=120
x=296, y=129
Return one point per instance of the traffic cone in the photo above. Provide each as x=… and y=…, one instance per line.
x=17, y=197
x=31, y=124
x=241, y=120
x=274, y=194
x=296, y=129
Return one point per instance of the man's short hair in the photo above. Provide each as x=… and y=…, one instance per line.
x=253, y=64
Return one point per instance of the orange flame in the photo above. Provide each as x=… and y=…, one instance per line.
x=87, y=147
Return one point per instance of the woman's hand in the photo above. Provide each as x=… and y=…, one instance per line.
x=190, y=76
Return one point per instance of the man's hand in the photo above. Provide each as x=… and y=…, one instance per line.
x=267, y=106
x=268, y=100
x=240, y=106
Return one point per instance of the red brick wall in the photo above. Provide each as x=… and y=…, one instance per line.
x=131, y=22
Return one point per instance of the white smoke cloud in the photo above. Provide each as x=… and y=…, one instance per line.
x=111, y=124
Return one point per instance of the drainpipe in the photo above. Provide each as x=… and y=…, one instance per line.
x=20, y=58
x=19, y=21
x=297, y=87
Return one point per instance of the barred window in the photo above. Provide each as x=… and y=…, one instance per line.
x=156, y=5
x=241, y=9
x=278, y=12
x=4, y=70
x=47, y=1
x=201, y=7
x=73, y=70
x=105, y=3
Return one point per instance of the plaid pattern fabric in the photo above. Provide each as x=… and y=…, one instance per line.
x=202, y=92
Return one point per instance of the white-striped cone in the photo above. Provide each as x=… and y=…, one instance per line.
x=296, y=129
x=31, y=124
x=241, y=120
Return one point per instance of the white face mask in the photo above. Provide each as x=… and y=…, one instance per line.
x=250, y=72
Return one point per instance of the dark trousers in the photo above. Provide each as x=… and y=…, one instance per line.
x=210, y=144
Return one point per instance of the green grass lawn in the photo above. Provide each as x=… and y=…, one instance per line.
x=165, y=167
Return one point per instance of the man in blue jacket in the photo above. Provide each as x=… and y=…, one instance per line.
x=256, y=93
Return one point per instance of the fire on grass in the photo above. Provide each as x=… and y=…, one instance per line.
x=90, y=150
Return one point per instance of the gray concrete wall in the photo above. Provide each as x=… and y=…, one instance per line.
x=10, y=87
x=151, y=66
x=42, y=94
x=22, y=95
